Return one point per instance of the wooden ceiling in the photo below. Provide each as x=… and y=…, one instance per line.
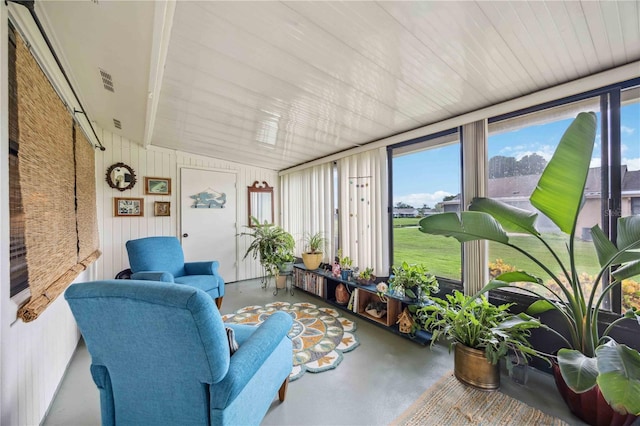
x=277, y=84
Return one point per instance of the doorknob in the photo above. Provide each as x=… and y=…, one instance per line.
x=185, y=235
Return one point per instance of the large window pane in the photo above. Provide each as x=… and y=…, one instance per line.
x=426, y=180
x=630, y=187
x=519, y=149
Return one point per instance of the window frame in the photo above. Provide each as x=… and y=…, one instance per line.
x=451, y=283
x=610, y=106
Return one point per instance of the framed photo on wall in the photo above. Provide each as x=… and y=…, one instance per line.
x=162, y=208
x=128, y=206
x=157, y=186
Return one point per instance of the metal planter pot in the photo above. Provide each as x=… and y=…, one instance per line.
x=472, y=368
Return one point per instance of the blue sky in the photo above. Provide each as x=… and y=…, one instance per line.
x=427, y=176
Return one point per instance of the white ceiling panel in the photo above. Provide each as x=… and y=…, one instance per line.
x=277, y=84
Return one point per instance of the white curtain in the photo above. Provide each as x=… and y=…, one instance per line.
x=363, y=204
x=474, y=184
x=307, y=205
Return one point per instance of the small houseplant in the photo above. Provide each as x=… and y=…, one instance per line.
x=345, y=263
x=366, y=276
x=482, y=332
x=591, y=360
x=271, y=245
x=413, y=281
x=314, y=244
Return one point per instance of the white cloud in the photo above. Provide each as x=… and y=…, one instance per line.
x=417, y=200
x=627, y=130
x=595, y=162
x=632, y=163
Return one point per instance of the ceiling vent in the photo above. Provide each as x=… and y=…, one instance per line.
x=106, y=80
x=117, y=124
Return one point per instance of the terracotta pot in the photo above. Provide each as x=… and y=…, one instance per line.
x=281, y=281
x=472, y=368
x=312, y=260
x=590, y=406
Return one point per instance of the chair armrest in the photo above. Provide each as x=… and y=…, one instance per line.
x=153, y=276
x=250, y=356
x=202, y=268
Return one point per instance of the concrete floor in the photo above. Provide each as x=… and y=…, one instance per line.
x=373, y=385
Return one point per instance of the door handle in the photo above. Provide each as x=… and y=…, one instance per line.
x=185, y=235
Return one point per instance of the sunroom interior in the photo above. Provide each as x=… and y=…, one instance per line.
x=363, y=116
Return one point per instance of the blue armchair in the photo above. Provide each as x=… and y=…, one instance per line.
x=162, y=259
x=160, y=355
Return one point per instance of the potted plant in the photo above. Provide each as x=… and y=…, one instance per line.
x=480, y=332
x=312, y=255
x=413, y=281
x=366, y=276
x=345, y=265
x=591, y=360
x=272, y=245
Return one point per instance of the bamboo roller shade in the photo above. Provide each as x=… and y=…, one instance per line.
x=61, y=241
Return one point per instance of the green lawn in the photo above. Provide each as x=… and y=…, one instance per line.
x=442, y=257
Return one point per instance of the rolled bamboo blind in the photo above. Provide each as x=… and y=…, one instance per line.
x=61, y=240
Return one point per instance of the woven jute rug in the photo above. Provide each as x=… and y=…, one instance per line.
x=319, y=335
x=449, y=402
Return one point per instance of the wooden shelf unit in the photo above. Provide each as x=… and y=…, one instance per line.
x=321, y=283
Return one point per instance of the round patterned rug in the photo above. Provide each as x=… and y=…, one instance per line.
x=319, y=335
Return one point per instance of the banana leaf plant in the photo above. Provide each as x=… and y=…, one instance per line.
x=590, y=357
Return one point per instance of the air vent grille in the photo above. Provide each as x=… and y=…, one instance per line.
x=107, y=81
x=117, y=123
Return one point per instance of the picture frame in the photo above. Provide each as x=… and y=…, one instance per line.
x=157, y=186
x=126, y=206
x=162, y=208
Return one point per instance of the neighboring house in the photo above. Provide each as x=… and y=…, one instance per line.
x=408, y=212
x=516, y=190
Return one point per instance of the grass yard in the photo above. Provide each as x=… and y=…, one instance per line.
x=442, y=255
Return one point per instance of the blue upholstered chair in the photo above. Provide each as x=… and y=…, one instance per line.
x=162, y=259
x=160, y=355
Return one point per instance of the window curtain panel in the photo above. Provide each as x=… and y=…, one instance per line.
x=307, y=206
x=57, y=251
x=474, y=184
x=363, y=210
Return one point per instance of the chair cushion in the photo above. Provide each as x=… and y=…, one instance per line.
x=203, y=282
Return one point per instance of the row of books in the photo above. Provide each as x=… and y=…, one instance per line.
x=307, y=281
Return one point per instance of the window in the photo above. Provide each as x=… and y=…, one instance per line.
x=519, y=147
x=426, y=178
x=19, y=275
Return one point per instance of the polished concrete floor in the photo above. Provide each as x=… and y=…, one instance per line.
x=373, y=385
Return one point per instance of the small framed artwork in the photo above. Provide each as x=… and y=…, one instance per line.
x=128, y=206
x=157, y=186
x=162, y=208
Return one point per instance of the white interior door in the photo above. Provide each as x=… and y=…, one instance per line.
x=208, y=218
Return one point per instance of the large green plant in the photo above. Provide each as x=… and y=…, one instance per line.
x=270, y=244
x=478, y=324
x=591, y=357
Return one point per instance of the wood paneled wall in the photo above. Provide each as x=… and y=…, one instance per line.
x=157, y=162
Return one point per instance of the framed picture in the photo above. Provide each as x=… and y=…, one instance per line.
x=157, y=186
x=128, y=206
x=162, y=208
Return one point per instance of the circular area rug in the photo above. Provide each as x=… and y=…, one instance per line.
x=319, y=335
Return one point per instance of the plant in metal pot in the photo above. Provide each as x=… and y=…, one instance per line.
x=477, y=324
x=314, y=244
x=271, y=245
x=413, y=280
x=590, y=357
